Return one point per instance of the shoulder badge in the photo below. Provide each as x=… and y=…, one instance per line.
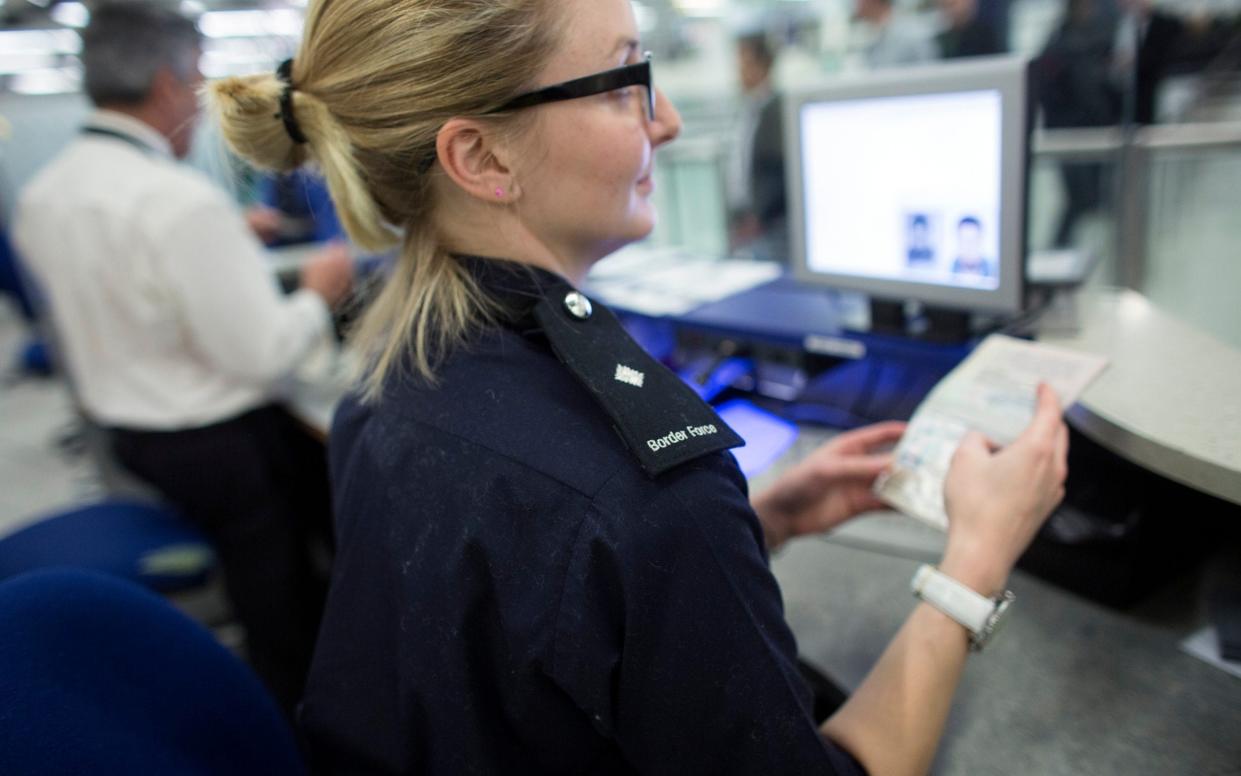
x=660, y=418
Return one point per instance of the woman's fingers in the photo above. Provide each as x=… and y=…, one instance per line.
x=868, y=437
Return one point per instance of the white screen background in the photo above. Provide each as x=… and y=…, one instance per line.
x=868, y=165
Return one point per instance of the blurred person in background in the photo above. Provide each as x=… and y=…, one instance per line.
x=754, y=177
x=997, y=13
x=894, y=39
x=968, y=33
x=1152, y=43
x=174, y=333
x=1073, y=82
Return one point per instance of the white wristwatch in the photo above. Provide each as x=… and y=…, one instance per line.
x=981, y=616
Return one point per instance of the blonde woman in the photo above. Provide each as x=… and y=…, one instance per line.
x=547, y=560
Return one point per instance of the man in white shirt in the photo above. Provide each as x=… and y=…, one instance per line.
x=895, y=40
x=174, y=332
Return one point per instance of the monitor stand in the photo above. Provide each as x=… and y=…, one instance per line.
x=913, y=320
x=880, y=386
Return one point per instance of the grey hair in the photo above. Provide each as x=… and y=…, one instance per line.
x=127, y=43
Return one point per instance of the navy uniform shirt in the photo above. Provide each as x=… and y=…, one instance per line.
x=547, y=563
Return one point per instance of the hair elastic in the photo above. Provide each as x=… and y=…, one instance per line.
x=285, y=73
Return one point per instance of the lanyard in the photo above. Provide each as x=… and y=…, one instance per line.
x=133, y=141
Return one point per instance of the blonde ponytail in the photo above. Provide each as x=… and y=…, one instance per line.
x=433, y=298
x=248, y=109
x=371, y=85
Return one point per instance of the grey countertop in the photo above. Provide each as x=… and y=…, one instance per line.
x=1070, y=687
x=1170, y=400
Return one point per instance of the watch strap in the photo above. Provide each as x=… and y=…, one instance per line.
x=973, y=610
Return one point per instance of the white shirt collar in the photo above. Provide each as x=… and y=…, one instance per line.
x=132, y=127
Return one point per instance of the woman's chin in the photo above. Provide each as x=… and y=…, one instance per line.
x=644, y=220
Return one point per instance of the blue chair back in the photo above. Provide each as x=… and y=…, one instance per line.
x=36, y=358
x=140, y=542
x=99, y=676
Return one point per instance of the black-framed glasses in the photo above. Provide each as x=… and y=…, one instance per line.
x=637, y=74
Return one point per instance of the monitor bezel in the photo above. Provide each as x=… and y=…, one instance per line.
x=1009, y=76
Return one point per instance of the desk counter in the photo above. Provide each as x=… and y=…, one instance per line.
x=1170, y=400
x=1069, y=687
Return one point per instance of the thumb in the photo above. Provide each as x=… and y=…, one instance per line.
x=974, y=446
x=1047, y=408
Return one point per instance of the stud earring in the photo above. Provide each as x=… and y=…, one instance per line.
x=499, y=192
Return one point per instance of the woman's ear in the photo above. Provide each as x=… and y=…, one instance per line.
x=469, y=155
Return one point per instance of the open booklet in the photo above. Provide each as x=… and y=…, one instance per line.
x=993, y=391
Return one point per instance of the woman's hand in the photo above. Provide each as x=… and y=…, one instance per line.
x=830, y=486
x=996, y=501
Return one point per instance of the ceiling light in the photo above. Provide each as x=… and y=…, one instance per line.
x=70, y=14
x=46, y=81
x=39, y=42
x=251, y=24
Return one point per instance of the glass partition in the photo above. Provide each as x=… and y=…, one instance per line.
x=1074, y=198
x=689, y=195
x=1192, y=263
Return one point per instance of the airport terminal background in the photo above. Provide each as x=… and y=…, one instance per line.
x=1079, y=685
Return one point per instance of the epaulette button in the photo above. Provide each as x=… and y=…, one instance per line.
x=578, y=305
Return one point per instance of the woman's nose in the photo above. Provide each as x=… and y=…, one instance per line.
x=667, y=123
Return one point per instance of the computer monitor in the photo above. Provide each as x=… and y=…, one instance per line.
x=911, y=184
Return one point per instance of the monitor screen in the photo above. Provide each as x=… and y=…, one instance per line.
x=914, y=187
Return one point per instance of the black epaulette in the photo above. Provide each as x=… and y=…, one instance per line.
x=660, y=418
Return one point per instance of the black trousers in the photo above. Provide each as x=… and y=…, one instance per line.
x=1085, y=192
x=257, y=485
